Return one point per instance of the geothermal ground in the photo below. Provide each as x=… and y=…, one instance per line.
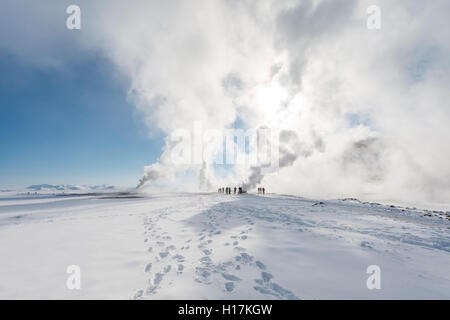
x=216, y=246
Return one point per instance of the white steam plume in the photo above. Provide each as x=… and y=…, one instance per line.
x=375, y=99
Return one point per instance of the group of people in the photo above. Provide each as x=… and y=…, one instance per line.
x=227, y=190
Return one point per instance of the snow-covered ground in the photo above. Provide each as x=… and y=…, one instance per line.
x=216, y=246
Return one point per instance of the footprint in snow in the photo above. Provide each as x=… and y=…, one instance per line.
x=138, y=294
x=266, y=276
x=203, y=275
x=229, y=286
x=163, y=254
x=206, y=260
x=244, y=258
x=230, y=277
x=178, y=257
x=267, y=287
x=156, y=281
x=167, y=269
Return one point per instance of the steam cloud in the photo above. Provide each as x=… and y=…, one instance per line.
x=361, y=113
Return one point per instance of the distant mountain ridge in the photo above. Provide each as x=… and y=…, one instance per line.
x=45, y=188
x=70, y=188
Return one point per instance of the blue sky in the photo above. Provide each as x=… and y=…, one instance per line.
x=71, y=124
